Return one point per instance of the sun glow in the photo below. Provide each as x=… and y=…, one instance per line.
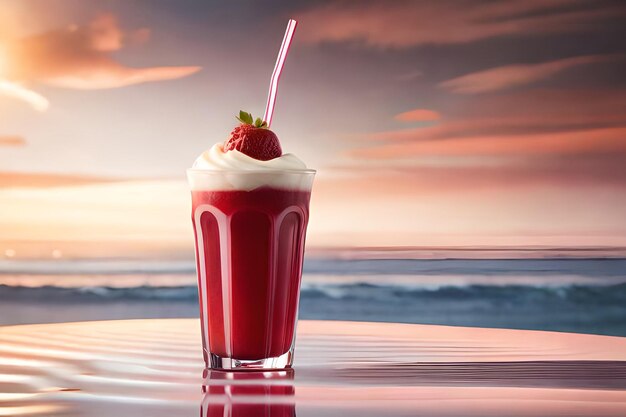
x=15, y=90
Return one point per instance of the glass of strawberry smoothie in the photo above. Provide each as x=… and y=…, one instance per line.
x=250, y=209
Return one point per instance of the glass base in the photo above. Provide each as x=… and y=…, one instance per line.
x=283, y=361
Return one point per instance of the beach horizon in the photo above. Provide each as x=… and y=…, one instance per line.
x=556, y=289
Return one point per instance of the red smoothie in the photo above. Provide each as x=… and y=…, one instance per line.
x=249, y=250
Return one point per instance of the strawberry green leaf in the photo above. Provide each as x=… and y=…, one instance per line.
x=245, y=117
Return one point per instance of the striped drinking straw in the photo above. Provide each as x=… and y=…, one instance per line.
x=278, y=68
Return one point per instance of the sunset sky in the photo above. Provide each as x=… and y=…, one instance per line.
x=431, y=123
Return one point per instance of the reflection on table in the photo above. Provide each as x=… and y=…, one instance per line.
x=248, y=394
x=342, y=369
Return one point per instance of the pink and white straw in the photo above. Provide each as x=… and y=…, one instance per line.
x=278, y=68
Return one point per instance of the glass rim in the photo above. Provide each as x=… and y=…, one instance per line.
x=251, y=171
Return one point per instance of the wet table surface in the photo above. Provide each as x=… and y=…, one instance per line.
x=154, y=368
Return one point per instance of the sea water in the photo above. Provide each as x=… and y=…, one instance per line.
x=572, y=294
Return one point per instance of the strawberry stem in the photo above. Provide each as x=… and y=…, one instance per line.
x=246, y=118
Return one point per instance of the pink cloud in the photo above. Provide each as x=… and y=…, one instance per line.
x=595, y=141
x=513, y=125
x=12, y=140
x=418, y=115
x=409, y=23
x=520, y=172
x=509, y=76
x=81, y=57
x=527, y=112
x=46, y=180
x=551, y=106
x=118, y=76
x=103, y=33
x=530, y=138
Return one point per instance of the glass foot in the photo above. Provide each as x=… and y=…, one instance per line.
x=283, y=361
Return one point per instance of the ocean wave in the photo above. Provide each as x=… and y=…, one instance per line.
x=585, y=294
x=89, y=293
x=601, y=267
x=483, y=267
x=359, y=292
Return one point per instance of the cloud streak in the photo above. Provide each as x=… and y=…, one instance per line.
x=47, y=180
x=535, y=138
x=19, y=92
x=600, y=141
x=12, y=140
x=403, y=24
x=77, y=57
x=116, y=76
x=509, y=76
x=418, y=115
x=471, y=174
x=530, y=112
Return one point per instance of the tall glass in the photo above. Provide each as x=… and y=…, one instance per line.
x=250, y=229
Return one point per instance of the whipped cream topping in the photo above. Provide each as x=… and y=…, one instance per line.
x=242, y=172
x=216, y=159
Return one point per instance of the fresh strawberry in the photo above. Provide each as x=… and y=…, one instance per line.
x=254, y=139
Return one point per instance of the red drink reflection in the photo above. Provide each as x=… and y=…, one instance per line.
x=251, y=394
x=249, y=250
